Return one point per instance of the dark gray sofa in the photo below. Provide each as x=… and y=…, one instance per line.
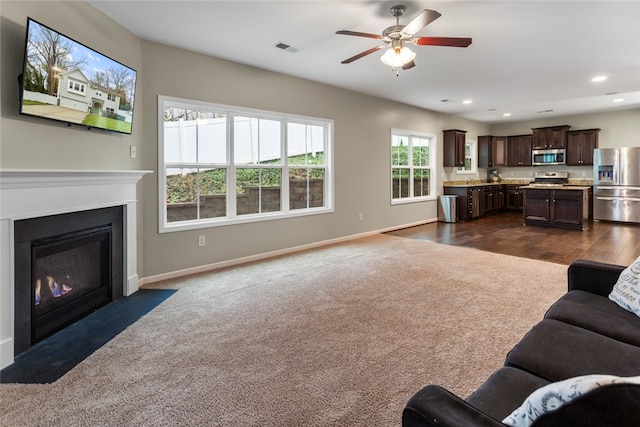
x=582, y=333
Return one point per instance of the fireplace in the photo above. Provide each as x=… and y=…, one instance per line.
x=27, y=194
x=66, y=266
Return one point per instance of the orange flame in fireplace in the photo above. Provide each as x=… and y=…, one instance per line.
x=57, y=290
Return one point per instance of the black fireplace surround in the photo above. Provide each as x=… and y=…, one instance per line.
x=66, y=266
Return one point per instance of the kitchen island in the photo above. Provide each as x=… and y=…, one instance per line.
x=556, y=206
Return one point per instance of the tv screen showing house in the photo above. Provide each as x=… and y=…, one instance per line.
x=66, y=81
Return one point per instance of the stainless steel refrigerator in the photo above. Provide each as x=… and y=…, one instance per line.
x=616, y=181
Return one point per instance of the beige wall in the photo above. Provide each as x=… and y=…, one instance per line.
x=35, y=143
x=361, y=137
x=32, y=143
x=361, y=152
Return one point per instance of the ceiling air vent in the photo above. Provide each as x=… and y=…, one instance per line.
x=287, y=47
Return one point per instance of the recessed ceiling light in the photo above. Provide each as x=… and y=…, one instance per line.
x=599, y=78
x=467, y=101
x=618, y=100
x=506, y=114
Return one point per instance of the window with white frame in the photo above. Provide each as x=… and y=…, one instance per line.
x=223, y=165
x=470, y=159
x=76, y=87
x=412, y=166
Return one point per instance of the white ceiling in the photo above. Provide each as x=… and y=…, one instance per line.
x=526, y=56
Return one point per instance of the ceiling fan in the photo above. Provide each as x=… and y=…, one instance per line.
x=398, y=56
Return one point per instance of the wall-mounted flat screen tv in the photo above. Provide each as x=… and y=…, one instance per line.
x=66, y=81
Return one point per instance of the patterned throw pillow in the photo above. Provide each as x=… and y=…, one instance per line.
x=626, y=291
x=553, y=396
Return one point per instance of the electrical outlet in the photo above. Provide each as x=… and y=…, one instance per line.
x=202, y=240
x=360, y=216
x=584, y=173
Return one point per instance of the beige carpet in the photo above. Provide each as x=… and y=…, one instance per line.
x=338, y=336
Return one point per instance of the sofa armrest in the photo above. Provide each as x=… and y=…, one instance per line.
x=592, y=276
x=434, y=406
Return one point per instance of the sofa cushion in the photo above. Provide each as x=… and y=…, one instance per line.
x=593, y=276
x=433, y=406
x=556, y=351
x=504, y=391
x=554, y=396
x=626, y=291
x=598, y=314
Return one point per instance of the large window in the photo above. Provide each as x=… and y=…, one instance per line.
x=223, y=165
x=412, y=166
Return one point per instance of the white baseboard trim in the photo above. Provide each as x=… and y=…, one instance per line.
x=6, y=353
x=133, y=283
x=237, y=261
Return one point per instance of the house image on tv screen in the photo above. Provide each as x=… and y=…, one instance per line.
x=66, y=81
x=76, y=100
x=77, y=92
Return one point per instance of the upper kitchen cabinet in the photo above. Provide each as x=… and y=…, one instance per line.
x=580, y=146
x=519, y=150
x=550, y=137
x=454, y=147
x=492, y=151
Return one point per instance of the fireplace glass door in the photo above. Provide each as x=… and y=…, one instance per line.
x=66, y=267
x=71, y=275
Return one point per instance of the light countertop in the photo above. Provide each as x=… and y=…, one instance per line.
x=524, y=183
x=565, y=187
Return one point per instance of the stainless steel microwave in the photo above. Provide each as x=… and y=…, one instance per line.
x=548, y=157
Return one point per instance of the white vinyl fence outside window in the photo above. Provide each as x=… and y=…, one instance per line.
x=222, y=165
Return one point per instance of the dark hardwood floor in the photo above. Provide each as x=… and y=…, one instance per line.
x=505, y=233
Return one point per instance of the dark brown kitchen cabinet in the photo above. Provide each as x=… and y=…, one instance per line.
x=570, y=208
x=549, y=137
x=500, y=198
x=536, y=206
x=492, y=151
x=454, y=147
x=512, y=197
x=469, y=203
x=493, y=198
x=485, y=154
x=566, y=208
x=519, y=150
x=580, y=146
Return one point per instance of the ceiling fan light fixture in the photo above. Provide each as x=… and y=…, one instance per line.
x=396, y=58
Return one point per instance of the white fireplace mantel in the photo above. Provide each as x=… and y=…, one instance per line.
x=31, y=193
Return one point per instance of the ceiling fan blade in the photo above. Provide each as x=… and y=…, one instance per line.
x=408, y=65
x=362, y=54
x=423, y=19
x=442, y=41
x=356, y=33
